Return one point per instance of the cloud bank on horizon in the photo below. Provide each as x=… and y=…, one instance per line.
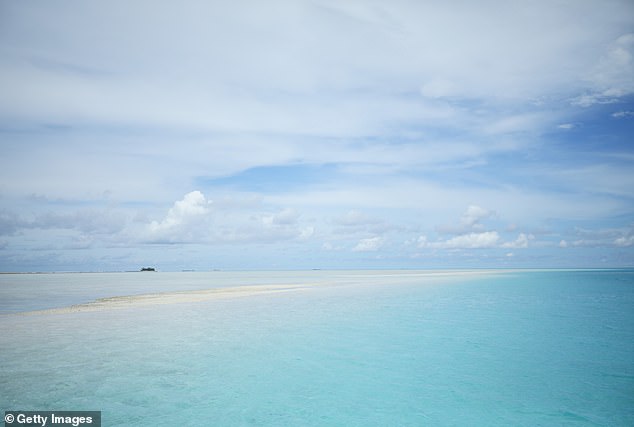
x=303, y=134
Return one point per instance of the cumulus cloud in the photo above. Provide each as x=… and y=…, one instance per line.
x=370, y=244
x=471, y=234
x=192, y=220
x=184, y=213
x=521, y=241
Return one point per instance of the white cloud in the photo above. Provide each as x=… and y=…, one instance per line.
x=624, y=241
x=192, y=220
x=194, y=205
x=521, y=241
x=473, y=215
x=370, y=244
x=611, y=78
x=477, y=240
x=417, y=108
x=622, y=114
x=466, y=55
x=588, y=100
x=563, y=244
x=486, y=239
x=256, y=116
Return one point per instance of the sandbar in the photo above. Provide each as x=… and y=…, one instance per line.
x=345, y=278
x=133, y=301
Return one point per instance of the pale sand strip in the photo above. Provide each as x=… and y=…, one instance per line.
x=133, y=301
x=374, y=278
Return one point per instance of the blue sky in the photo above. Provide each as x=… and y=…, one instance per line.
x=316, y=134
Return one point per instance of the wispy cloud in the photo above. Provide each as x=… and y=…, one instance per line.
x=623, y=114
x=566, y=126
x=314, y=127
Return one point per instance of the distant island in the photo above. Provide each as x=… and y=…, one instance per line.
x=148, y=269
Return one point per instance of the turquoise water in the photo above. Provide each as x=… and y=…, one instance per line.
x=362, y=349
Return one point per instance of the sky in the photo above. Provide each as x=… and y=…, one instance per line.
x=307, y=134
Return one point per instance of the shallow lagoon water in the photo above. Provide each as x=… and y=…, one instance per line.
x=353, y=349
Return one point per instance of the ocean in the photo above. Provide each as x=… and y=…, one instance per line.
x=346, y=348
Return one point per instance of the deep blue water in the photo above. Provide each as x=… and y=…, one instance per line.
x=545, y=348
